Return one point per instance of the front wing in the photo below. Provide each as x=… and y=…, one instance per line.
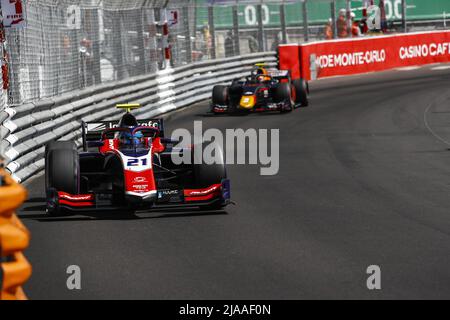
x=220, y=109
x=265, y=106
x=219, y=194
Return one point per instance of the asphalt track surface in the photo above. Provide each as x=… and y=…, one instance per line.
x=364, y=180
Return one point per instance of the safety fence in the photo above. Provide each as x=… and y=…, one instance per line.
x=15, y=270
x=29, y=127
x=70, y=45
x=73, y=44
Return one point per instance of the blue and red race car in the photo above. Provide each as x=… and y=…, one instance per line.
x=264, y=90
x=130, y=169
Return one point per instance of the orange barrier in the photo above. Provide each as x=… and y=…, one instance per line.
x=15, y=270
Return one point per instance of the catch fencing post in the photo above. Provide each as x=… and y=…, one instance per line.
x=283, y=23
x=404, y=22
x=261, y=42
x=117, y=40
x=140, y=38
x=349, y=18
x=97, y=74
x=212, y=32
x=305, y=20
x=166, y=43
x=187, y=35
x=237, y=44
x=333, y=19
x=153, y=44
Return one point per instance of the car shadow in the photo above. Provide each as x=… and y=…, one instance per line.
x=41, y=216
x=36, y=200
x=242, y=115
x=224, y=115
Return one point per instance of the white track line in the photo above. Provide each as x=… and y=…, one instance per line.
x=427, y=125
x=439, y=68
x=408, y=68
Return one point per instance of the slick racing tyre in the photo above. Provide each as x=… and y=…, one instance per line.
x=62, y=168
x=301, y=92
x=67, y=145
x=206, y=175
x=284, y=95
x=56, y=145
x=220, y=95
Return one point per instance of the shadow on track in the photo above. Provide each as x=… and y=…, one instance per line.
x=37, y=213
x=245, y=115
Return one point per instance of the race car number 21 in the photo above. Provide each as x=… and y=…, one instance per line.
x=137, y=162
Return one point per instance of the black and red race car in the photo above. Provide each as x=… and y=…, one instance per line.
x=131, y=169
x=264, y=90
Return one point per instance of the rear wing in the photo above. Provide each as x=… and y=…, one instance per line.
x=279, y=74
x=92, y=131
x=274, y=73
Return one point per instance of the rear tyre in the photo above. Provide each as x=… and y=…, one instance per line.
x=301, y=92
x=233, y=110
x=206, y=175
x=283, y=94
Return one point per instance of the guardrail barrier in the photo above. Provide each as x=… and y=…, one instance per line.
x=15, y=270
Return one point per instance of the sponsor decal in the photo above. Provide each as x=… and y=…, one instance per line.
x=102, y=126
x=170, y=196
x=139, y=188
x=92, y=127
x=203, y=192
x=140, y=180
x=75, y=198
x=170, y=192
x=351, y=59
x=354, y=56
x=424, y=50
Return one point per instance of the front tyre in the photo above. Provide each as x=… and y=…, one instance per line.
x=62, y=169
x=55, y=145
x=62, y=173
x=220, y=95
x=206, y=175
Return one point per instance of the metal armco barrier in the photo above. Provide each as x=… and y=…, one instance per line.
x=26, y=129
x=14, y=238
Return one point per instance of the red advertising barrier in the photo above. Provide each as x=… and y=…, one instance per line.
x=362, y=55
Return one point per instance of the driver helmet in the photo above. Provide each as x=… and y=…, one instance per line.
x=262, y=75
x=127, y=139
x=261, y=78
